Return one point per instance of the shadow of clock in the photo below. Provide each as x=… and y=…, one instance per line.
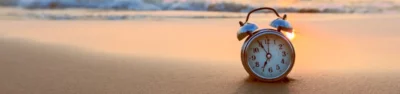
x=252, y=86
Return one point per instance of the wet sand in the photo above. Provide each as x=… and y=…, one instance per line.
x=334, y=54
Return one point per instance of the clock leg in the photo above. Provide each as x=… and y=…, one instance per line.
x=285, y=80
x=251, y=79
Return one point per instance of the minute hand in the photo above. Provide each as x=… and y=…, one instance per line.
x=262, y=46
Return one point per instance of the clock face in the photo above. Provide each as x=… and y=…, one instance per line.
x=269, y=56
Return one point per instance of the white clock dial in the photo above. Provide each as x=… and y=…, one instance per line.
x=269, y=56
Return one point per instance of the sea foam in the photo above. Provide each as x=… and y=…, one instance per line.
x=205, y=5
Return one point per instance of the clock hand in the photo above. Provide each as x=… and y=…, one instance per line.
x=262, y=46
x=268, y=45
x=265, y=63
x=268, y=57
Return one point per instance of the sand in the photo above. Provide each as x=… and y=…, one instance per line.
x=335, y=53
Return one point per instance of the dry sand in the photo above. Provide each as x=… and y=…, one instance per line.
x=351, y=54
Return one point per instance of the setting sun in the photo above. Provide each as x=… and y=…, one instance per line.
x=290, y=35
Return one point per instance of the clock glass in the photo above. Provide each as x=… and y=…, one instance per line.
x=269, y=56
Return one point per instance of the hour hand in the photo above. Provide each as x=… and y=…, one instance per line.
x=265, y=63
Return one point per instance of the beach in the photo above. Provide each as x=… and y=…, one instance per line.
x=335, y=53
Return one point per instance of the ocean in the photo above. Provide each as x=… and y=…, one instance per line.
x=300, y=6
x=232, y=6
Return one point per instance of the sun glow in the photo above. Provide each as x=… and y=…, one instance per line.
x=287, y=3
x=290, y=35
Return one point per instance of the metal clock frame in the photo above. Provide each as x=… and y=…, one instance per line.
x=250, y=39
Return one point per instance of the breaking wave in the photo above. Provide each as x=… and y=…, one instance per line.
x=201, y=5
x=50, y=16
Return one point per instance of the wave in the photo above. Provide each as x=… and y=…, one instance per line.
x=200, y=5
x=139, y=5
x=49, y=16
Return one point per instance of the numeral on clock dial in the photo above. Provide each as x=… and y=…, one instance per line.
x=283, y=61
x=253, y=58
x=257, y=64
x=280, y=46
x=284, y=53
x=277, y=67
x=256, y=50
x=260, y=45
x=270, y=69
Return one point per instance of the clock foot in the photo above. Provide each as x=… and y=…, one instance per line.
x=285, y=80
x=251, y=79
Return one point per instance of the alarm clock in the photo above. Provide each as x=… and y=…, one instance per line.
x=267, y=54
